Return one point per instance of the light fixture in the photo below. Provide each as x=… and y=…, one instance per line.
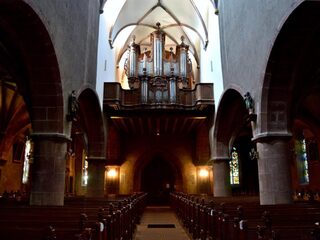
x=112, y=173
x=116, y=117
x=203, y=173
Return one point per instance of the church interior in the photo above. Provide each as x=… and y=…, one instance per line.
x=159, y=119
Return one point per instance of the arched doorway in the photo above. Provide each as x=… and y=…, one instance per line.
x=158, y=180
x=235, y=167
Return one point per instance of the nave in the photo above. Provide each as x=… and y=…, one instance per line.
x=160, y=222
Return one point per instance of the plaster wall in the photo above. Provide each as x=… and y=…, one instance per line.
x=248, y=30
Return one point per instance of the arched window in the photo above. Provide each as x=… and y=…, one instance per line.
x=302, y=160
x=234, y=167
x=84, y=169
x=27, y=160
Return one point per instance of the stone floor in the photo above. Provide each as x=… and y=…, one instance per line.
x=163, y=225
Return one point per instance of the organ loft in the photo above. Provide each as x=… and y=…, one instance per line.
x=159, y=77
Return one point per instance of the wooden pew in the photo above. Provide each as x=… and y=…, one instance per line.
x=229, y=221
x=82, y=219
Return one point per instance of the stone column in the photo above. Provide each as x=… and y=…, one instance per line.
x=48, y=169
x=96, y=175
x=221, y=173
x=274, y=169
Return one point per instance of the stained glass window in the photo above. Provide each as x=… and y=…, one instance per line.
x=26, y=162
x=84, y=169
x=302, y=161
x=234, y=167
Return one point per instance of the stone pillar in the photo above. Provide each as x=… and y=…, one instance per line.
x=274, y=169
x=48, y=169
x=96, y=175
x=221, y=173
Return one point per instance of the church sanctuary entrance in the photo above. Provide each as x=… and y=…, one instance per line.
x=158, y=180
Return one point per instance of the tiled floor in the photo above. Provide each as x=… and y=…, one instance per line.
x=160, y=215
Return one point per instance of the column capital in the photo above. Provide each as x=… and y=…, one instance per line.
x=59, y=137
x=270, y=136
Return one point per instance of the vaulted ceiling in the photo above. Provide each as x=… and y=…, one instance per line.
x=187, y=18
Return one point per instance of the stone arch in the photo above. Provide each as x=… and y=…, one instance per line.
x=290, y=90
x=26, y=37
x=167, y=156
x=232, y=123
x=37, y=77
x=159, y=175
x=87, y=141
x=92, y=123
x=291, y=62
x=230, y=116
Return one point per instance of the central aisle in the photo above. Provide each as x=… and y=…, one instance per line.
x=160, y=223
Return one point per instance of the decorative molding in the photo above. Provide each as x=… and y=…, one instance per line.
x=269, y=136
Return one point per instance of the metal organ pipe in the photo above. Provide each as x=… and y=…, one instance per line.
x=158, y=77
x=183, y=59
x=133, y=60
x=157, y=50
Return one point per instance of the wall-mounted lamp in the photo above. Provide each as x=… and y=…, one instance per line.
x=112, y=172
x=203, y=173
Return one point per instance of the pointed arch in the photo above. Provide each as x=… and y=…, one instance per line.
x=92, y=123
x=30, y=46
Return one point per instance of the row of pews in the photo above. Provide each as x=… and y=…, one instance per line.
x=243, y=218
x=78, y=219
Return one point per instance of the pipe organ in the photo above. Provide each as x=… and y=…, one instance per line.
x=156, y=72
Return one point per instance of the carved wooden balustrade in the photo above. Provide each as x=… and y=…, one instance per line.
x=117, y=98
